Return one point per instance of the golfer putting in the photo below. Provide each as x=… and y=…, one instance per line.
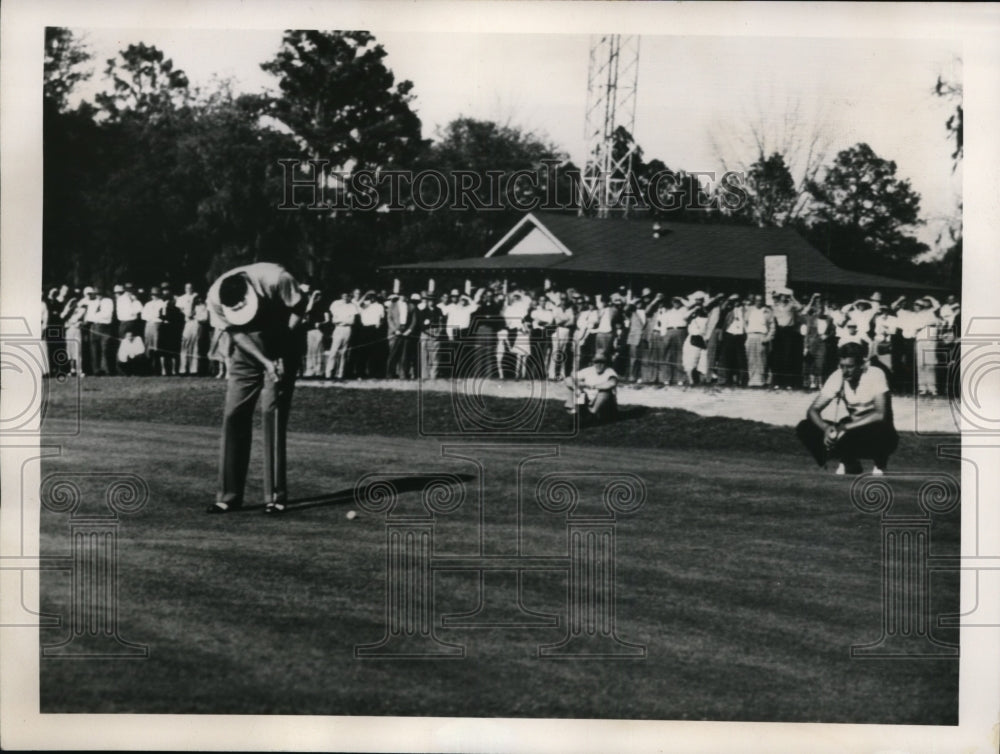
x=594, y=389
x=866, y=431
x=259, y=305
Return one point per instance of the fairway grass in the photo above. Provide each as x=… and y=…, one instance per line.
x=747, y=574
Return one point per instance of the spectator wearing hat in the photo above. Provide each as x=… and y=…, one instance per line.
x=817, y=329
x=584, y=333
x=513, y=311
x=733, y=355
x=884, y=325
x=343, y=314
x=541, y=317
x=194, y=336
x=713, y=337
x=593, y=390
x=410, y=338
x=100, y=317
x=52, y=329
x=398, y=318
x=863, y=311
x=693, y=353
x=672, y=328
x=563, y=316
x=927, y=326
x=458, y=319
x=786, y=347
x=430, y=325
x=759, y=331
x=904, y=347
x=522, y=348
x=74, y=351
x=153, y=314
x=371, y=318
x=650, y=349
x=636, y=315
x=486, y=322
x=609, y=317
x=849, y=333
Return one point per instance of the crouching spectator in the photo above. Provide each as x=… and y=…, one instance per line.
x=867, y=431
x=132, y=355
x=594, y=390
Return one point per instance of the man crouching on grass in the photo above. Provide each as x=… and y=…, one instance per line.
x=260, y=306
x=867, y=431
x=593, y=388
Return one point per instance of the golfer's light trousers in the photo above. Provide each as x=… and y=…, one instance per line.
x=246, y=383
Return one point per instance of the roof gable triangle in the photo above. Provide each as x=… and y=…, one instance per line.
x=536, y=239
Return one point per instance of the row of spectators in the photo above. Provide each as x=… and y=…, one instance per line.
x=517, y=333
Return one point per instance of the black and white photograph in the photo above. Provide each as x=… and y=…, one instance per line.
x=500, y=377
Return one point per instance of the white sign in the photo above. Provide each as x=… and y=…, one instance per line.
x=775, y=275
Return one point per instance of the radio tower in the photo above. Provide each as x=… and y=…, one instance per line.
x=612, y=80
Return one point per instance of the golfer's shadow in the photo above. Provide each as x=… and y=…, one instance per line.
x=349, y=495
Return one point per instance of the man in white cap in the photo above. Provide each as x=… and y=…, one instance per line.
x=260, y=306
x=594, y=389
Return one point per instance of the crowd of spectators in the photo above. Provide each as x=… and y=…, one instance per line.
x=513, y=332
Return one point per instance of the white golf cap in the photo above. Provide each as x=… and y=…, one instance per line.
x=88, y=290
x=245, y=311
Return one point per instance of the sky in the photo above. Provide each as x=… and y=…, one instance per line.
x=699, y=97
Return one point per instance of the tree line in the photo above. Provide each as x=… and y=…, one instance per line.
x=157, y=180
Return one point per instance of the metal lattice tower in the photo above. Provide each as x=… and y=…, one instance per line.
x=612, y=81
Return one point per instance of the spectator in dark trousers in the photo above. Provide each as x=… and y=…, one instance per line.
x=734, y=338
x=398, y=317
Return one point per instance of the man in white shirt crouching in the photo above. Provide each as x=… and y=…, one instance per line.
x=866, y=431
x=593, y=389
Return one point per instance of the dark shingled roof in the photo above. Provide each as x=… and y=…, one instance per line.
x=683, y=250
